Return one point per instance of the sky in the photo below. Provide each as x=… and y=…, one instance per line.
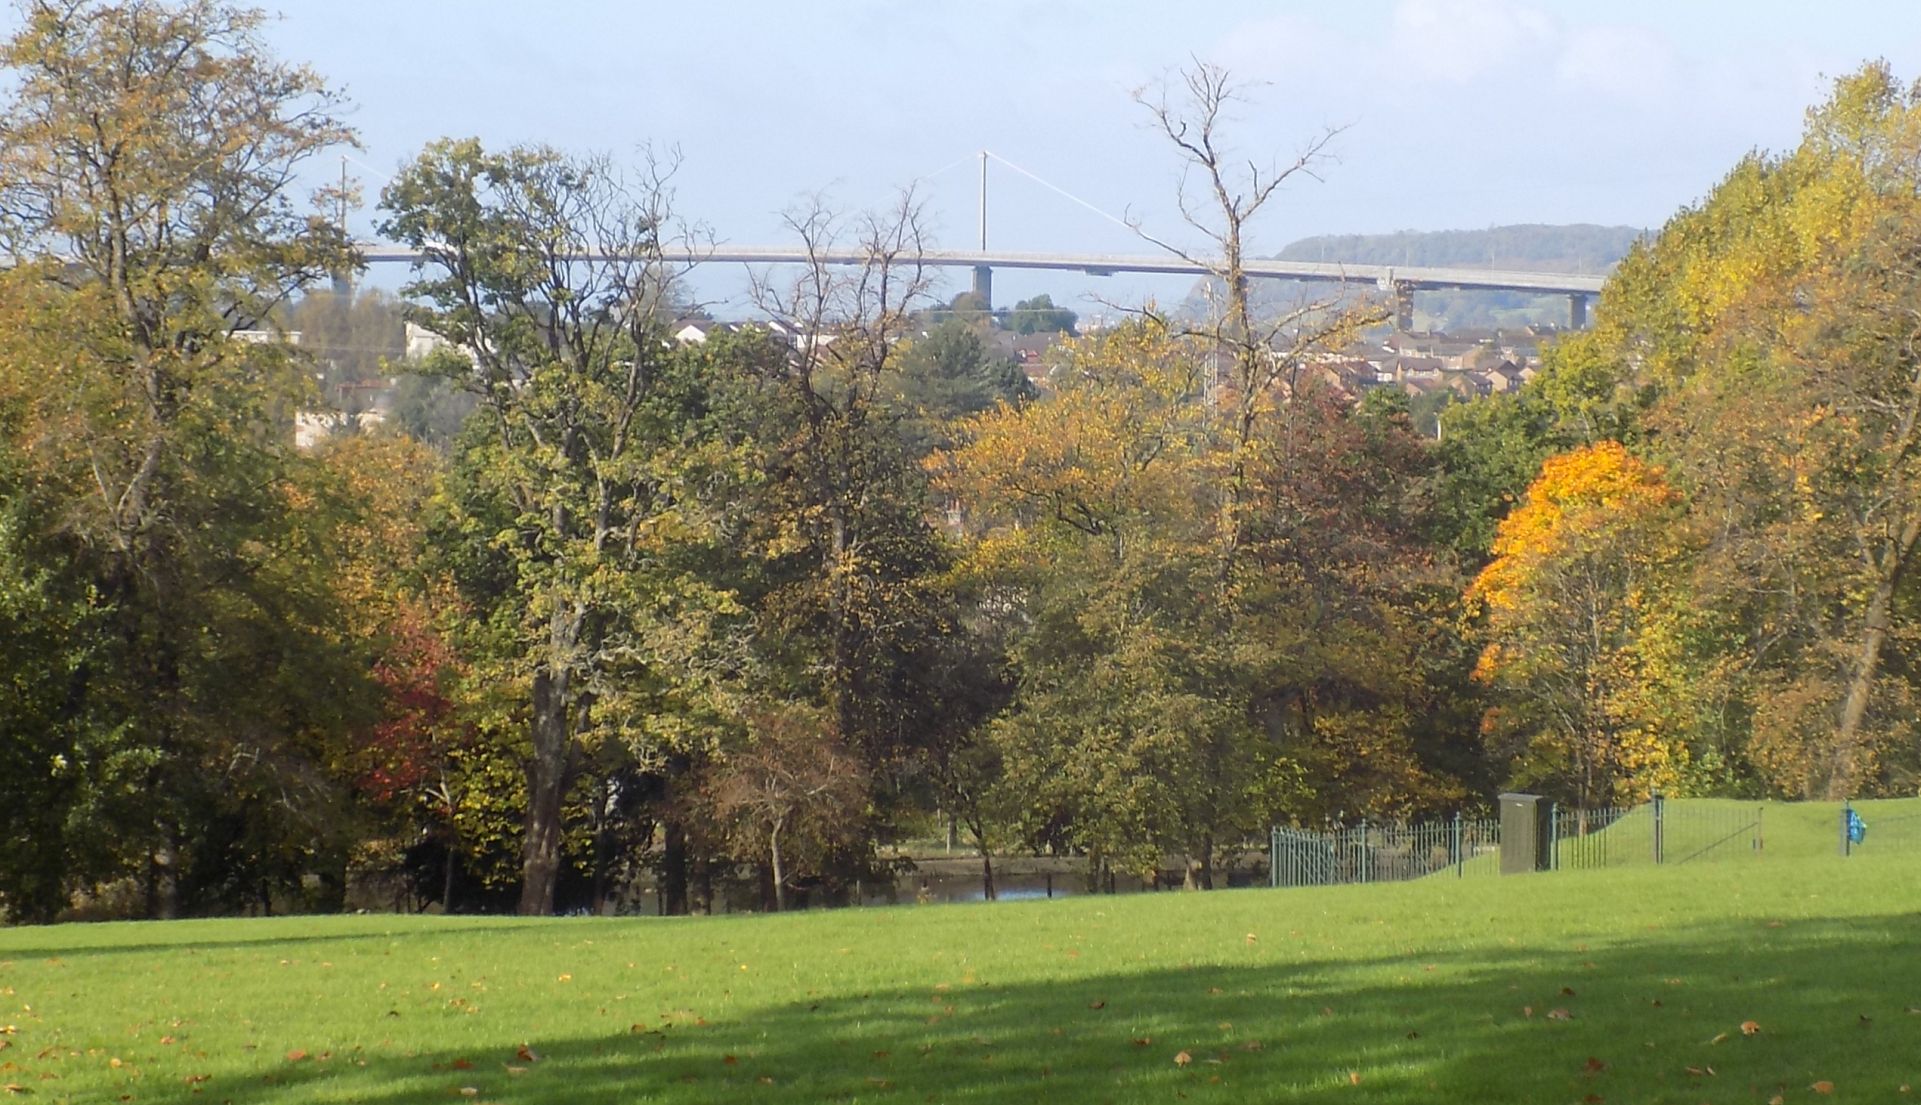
x=1454, y=113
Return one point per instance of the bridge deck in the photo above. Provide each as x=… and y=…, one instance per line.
x=1105, y=264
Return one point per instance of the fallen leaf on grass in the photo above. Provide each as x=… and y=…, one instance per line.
x=1251, y=938
x=1097, y=1005
x=1699, y=1071
x=526, y=1054
x=1143, y=1041
x=470, y=1091
x=196, y=1079
x=1823, y=1086
x=1527, y=1011
x=15, y=1088
x=1567, y=991
x=1718, y=1037
x=1777, y=1099
x=1750, y=1028
x=511, y=1069
x=1593, y=1099
x=1559, y=1015
x=1353, y=1078
x=1595, y=1066
x=1181, y=1059
x=1251, y=1045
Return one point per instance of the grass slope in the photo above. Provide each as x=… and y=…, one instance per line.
x=1624, y=985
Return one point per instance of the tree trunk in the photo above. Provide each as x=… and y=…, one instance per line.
x=988, y=892
x=547, y=779
x=780, y=874
x=163, y=877
x=447, y=880
x=673, y=871
x=603, y=846
x=1844, y=774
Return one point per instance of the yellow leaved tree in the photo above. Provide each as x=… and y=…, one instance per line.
x=1578, y=602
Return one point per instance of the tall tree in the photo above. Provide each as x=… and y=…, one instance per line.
x=1761, y=346
x=584, y=473
x=848, y=586
x=148, y=154
x=1576, y=599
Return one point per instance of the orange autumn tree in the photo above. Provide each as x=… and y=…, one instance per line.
x=1580, y=612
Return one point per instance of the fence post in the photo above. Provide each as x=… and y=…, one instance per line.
x=1760, y=829
x=1367, y=868
x=1847, y=807
x=1460, y=861
x=1553, y=836
x=1273, y=856
x=1660, y=805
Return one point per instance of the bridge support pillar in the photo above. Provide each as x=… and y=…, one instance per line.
x=1577, y=311
x=984, y=286
x=1403, y=306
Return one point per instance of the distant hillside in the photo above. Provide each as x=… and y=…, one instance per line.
x=1581, y=248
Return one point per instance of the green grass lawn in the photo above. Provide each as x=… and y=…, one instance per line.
x=1618, y=985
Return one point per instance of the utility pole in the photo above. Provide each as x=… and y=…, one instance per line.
x=342, y=282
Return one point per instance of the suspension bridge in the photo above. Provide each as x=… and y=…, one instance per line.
x=1402, y=281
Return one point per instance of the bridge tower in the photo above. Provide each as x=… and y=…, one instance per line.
x=983, y=274
x=1577, y=310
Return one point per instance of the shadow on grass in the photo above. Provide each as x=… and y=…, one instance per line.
x=1653, y=1016
x=260, y=936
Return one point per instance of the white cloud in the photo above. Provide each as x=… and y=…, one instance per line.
x=1632, y=64
x=1459, y=40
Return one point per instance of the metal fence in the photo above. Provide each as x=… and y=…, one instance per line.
x=1654, y=832
x=1382, y=851
x=1457, y=847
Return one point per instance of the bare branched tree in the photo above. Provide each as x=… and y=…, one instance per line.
x=1263, y=357
x=844, y=312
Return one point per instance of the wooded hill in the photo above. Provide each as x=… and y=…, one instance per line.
x=1575, y=248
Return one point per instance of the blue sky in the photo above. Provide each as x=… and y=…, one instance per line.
x=1459, y=113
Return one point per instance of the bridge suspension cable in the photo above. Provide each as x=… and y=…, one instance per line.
x=1063, y=193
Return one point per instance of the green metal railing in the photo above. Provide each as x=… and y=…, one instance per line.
x=1655, y=832
x=1395, y=851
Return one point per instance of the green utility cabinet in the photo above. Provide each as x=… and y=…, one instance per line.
x=1527, y=834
